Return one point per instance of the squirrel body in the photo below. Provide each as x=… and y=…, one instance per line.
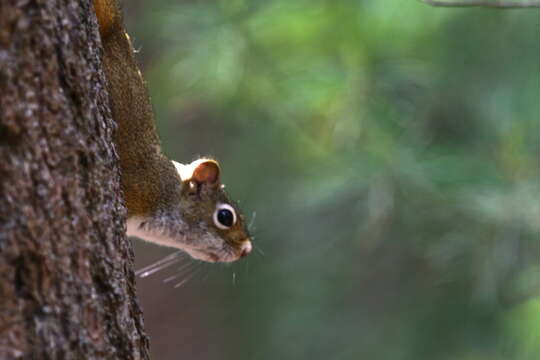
x=168, y=203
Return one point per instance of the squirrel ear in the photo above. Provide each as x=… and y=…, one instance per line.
x=205, y=171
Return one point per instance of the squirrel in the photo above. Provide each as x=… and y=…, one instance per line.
x=168, y=203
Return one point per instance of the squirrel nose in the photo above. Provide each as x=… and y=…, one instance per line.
x=246, y=248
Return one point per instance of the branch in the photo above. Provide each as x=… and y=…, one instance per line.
x=498, y=4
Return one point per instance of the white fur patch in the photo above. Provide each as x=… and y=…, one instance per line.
x=134, y=229
x=185, y=171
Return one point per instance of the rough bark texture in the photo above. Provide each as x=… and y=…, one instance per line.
x=66, y=281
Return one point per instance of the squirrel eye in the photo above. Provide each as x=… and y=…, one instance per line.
x=224, y=216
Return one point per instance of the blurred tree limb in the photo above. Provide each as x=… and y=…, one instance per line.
x=484, y=3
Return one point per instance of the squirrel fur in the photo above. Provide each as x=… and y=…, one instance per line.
x=176, y=205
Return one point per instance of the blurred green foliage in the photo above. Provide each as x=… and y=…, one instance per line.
x=391, y=153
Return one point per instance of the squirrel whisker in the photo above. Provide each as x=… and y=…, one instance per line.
x=169, y=259
x=195, y=271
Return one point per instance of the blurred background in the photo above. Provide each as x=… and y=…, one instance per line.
x=388, y=154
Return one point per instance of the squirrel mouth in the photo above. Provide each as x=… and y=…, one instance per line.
x=212, y=257
x=226, y=254
x=224, y=257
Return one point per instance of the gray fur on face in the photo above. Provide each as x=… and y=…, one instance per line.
x=200, y=241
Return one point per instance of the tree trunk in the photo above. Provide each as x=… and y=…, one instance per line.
x=66, y=281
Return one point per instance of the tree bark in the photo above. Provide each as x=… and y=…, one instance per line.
x=66, y=280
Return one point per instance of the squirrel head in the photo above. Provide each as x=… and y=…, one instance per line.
x=205, y=222
x=206, y=205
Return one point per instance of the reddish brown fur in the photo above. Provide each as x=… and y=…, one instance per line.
x=149, y=180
